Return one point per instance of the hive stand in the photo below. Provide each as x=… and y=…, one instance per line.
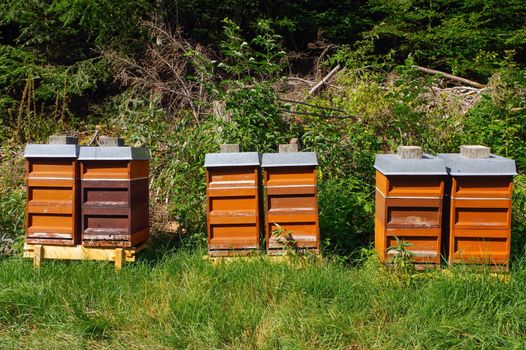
x=479, y=219
x=40, y=252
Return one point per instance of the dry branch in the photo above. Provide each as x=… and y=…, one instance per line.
x=450, y=76
x=164, y=70
x=320, y=115
x=311, y=105
x=324, y=80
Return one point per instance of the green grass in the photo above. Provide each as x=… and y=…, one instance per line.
x=180, y=300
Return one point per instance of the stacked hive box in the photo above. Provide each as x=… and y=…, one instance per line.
x=114, y=195
x=409, y=196
x=480, y=206
x=52, y=192
x=291, y=201
x=232, y=180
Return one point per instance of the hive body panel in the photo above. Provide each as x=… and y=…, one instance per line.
x=232, y=209
x=52, y=210
x=115, y=204
x=291, y=207
x=480, y=220
x=409, y=208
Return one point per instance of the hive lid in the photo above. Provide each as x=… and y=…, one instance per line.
x=51, y=151
x=392, y=164
x=492, y=166
x=289, y=159
x=114, y=153
x=214, y=160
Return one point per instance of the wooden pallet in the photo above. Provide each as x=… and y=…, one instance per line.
x=39, y=252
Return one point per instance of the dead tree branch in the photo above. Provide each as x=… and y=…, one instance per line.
x=320, y=115
x=450, y=76
x=324, y=80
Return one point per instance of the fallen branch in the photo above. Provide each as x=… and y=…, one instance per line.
x=450, y=76
x=311, y=105
x=324, y=80
x=302, y=80
x=320, y=115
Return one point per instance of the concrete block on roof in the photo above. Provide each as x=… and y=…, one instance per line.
x=288, y=148
x=109, y=141
x=474, y=151
x=62, y=140
x=229, y=148
x=410, y=152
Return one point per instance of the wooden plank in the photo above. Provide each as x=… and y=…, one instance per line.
x=37, y=256
x=119, y=258
x=79, y=252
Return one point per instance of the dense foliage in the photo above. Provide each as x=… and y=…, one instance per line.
x=180, y=78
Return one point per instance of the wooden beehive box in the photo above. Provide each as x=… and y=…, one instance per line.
x=52, y=215
x=291, y=202
x=479, y=220
x=409, y=197
x=114, y=196
x=232, y=198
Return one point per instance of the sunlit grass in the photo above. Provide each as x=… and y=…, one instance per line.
x=183, y=301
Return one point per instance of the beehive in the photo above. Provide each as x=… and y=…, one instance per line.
x=114, y=196
x=479, y=222
x=291, y=202
x=52, y=183
x=232, y=198
x=409, y=197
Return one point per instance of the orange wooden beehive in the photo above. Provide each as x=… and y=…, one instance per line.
x=52, y=192
x=232, y=198
x=291, y=202
x=479, y=225
x=114, y=196
x=409, y=196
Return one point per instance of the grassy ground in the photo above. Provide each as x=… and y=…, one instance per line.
x=177, y=300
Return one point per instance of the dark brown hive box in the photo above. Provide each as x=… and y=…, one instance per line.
x=232, y=198
x=114, y=196
x=291, y=202
x=409, y=196
x=479, y=225
x=52, y=185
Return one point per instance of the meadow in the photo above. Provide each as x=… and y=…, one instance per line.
x=177, y=299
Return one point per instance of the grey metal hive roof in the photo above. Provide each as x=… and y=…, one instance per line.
x=494, y=165
x=51, y=151
x=214, y=160
x=392, y=164
x=114, y=153
x=270, y=160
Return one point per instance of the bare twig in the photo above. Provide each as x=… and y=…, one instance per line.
x=164, y=71
x=311, y=105
x=450, y=76
x=92, y=140
x=324, y=80
x=320, y=115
